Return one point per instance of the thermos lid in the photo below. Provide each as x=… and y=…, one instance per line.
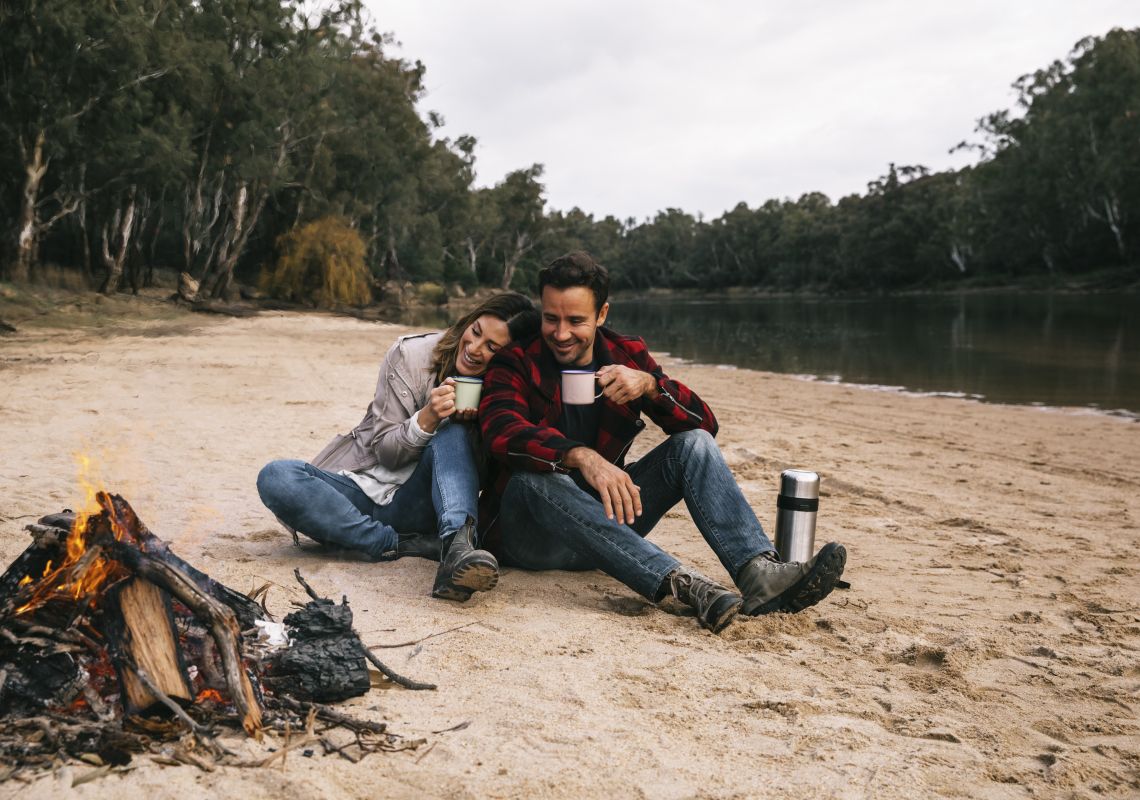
x=800, y=483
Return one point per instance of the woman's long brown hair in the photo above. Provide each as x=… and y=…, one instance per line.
x=511, y=307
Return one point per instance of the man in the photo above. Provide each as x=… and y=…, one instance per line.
x=562, y=498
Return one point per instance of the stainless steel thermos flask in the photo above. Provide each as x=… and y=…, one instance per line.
x=795, y=514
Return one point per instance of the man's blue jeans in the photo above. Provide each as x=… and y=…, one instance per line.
x=330, y=508
x=548, y=522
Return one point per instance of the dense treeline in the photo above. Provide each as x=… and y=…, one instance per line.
x=217, y=138
x=194, y=133
x=1055, y=192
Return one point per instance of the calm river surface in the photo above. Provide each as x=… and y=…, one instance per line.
x=1034, y=348
x=1026, y=348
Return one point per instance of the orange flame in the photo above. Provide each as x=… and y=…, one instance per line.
x=82, y=573
x=213, y=695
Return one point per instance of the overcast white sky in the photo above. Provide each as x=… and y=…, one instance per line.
x=634, y=106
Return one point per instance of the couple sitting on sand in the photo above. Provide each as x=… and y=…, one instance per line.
x=557, y=493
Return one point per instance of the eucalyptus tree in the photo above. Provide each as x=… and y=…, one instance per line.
x=1059, y=179
x=478, y=230
x=378, y=144
x=140, y=151
x=244, y=92
x=519, y=202
x=660, y=251
x=577, y=230
x=65, y=68
x=808, y=240
x=729, y=248
x=448, y=199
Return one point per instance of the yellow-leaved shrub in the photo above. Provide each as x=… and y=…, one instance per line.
x=320, y=264
x=431, y=292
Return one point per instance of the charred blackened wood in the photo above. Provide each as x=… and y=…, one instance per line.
x=35, y=680
x=323, y=615
x=47, y=547
x=247, y=610
x=326, y=660
x=323, y=670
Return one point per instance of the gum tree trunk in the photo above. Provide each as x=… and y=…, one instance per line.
x=122, y=238
x=34, y=170
x=522, y=246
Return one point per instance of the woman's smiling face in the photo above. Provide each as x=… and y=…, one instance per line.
x=483, y=338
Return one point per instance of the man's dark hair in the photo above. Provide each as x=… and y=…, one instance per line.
x=578, y=268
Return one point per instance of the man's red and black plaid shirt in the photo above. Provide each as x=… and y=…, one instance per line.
x=522, y=401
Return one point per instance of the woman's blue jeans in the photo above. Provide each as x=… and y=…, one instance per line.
x=330, y=508
x=548, y=522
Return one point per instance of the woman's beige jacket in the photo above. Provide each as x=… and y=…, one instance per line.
x=387, y=442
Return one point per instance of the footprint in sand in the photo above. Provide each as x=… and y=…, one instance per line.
x=266, y=535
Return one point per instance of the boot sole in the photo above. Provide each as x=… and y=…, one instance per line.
x=476, y=575
x=724, y=617
x=813, y=587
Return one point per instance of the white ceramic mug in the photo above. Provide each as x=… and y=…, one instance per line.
x=578, y=387
x=467, y=392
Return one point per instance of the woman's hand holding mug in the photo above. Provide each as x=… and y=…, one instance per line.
x=441, y=405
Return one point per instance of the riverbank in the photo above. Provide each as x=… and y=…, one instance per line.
x=987, y=647
x=1126, y=279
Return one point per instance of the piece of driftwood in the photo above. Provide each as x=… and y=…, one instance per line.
x=396, y=677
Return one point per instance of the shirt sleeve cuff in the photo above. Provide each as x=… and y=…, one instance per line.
x=416, y=430
x=663, y=398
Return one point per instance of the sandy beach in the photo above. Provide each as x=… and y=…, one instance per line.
x=988, y=646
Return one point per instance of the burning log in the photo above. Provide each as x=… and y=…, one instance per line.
x=105, y=548
x=221, y=618
x=98, y=615
x=140, y=621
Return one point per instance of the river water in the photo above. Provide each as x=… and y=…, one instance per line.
x=1051, y=349
x=1025, y=348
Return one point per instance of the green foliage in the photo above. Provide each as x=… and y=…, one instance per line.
x=320, y=264
x=222, y=131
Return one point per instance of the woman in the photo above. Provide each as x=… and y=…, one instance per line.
x=405, y=480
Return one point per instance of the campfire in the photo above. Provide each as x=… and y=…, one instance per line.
x=111, y=645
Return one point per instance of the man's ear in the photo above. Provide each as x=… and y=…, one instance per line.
x=603, y=314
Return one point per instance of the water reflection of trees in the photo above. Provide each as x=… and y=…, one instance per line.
x=1053, y=349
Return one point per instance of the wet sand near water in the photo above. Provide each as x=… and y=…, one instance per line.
x=988, y=646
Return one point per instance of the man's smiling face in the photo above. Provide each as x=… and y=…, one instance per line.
x=570, y=322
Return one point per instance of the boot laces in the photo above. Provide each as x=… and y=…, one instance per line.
x=694, y=589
